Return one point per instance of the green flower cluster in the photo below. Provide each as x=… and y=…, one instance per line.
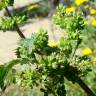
x=5, y=3
x=50, y=64
x=7, y=23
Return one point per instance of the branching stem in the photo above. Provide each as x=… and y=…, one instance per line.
x=16, y=25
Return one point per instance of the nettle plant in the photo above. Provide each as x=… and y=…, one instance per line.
x=46, y=65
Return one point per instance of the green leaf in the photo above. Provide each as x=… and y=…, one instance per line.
x=5, y=68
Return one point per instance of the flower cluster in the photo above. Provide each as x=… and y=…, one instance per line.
x=70, y=9
x=53, y=44
x=79, y=2
x=88, y=8
x=87, y=51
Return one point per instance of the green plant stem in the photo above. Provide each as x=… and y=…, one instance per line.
x=16, y=25
x=88, y=91
x=45, y=94
x=75, y=50
x=76, y=79
x=73, y=76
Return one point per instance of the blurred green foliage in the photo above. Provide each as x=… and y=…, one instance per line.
x=45, y=66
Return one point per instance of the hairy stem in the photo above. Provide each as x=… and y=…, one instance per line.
x=45, y=94
x=73, y=76
x=16, y=25
x=88, y=91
